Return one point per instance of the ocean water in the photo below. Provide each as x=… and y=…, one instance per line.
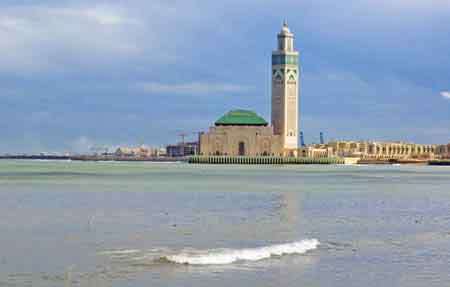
x=174, y=224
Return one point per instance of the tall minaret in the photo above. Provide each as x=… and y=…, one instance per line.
x=285, y=82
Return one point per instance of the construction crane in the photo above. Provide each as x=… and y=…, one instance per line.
x=183, y=136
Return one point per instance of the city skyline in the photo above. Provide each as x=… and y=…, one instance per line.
x=76, y=74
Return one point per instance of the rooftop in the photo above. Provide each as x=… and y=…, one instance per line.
x=241, y=118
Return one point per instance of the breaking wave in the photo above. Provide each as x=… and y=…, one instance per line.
x=227, y=256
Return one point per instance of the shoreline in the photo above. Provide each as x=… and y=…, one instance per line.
x=94, y=158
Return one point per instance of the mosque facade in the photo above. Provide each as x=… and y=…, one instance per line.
x=244, y=133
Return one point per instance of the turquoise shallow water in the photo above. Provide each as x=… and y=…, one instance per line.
x=117, y=224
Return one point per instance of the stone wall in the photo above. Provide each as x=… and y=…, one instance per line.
x=226, y=140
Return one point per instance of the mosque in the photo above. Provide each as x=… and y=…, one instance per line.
x=244, y=133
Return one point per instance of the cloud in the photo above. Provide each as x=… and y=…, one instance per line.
x=104, y=16
x=33, y=38
x=98, y=34
x=340, y=96
x=82, y=144
x=445, y=94
x=194, y=88
x=89, y=60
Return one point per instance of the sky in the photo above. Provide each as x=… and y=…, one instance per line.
x=78, y=74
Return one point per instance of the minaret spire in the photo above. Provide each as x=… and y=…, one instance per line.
x=285, y=83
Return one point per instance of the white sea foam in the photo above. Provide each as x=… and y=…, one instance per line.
x=120, y=252
x=251, y=254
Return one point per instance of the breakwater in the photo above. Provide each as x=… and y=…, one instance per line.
x=262, y=160
x=439, y=162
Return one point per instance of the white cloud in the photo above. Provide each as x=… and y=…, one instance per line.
x=194, y=88
x=82, y=144
x=12, y=23
x=36, y=37
x=103, y=15
x=445, y=94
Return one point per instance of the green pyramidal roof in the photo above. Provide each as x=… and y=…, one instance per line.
x=241, y=118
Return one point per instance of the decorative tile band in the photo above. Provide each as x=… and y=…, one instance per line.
x=284, y=59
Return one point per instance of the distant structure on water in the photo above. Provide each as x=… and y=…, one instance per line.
x=244, y=133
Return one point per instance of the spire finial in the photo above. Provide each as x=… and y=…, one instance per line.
x=285, y=28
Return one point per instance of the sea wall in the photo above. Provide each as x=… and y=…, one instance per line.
x=261, y=160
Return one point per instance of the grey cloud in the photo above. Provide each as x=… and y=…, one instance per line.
x=38, y=38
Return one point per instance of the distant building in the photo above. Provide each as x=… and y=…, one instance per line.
x=382, y=150
x=443, y=151
x=180, y=149
x=316, y=151
x=140, y=151
x=162, y=152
